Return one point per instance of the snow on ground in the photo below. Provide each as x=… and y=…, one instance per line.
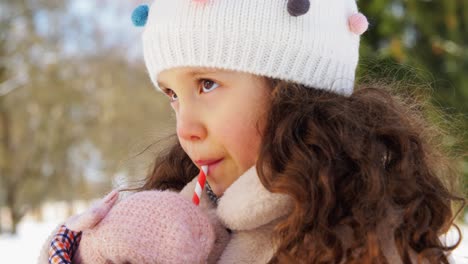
x=24, y=248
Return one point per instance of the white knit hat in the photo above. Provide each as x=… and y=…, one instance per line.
x=315, y=43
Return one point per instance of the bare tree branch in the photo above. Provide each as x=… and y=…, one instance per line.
x=12, y=84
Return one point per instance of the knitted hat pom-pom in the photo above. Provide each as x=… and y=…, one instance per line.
x=298, y=7
x=200, y=1
x=140, y=15
x=358, y=23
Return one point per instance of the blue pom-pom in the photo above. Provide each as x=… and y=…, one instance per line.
x=140, y=15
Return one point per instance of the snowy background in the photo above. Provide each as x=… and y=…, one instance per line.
x=112, y=18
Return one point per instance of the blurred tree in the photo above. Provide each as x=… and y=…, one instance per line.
x=21, y=72
x=431, y=39
x=68, y=108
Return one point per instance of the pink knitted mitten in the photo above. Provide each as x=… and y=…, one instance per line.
x=149, y=227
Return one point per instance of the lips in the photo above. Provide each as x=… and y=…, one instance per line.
x=207, y=162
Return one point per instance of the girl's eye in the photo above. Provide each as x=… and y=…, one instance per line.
x=208, y=85
x=172, y=96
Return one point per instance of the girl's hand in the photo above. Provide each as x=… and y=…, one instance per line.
x=93, y=215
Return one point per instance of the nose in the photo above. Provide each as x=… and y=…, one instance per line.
x=190, y=126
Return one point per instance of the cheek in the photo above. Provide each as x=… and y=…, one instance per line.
x=242, y=141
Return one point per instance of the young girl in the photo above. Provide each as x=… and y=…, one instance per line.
x=303, y=167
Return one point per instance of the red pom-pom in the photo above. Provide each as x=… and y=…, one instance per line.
x=358, y=23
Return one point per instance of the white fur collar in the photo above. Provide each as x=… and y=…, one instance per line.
x=246, y=204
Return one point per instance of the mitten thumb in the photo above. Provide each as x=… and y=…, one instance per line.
x=94, y=214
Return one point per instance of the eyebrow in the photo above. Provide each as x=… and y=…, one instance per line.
x=194, y=73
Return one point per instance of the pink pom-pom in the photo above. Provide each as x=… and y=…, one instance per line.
x=200, y=1
x=358, y=23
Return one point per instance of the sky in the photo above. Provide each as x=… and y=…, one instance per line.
x=112, y=19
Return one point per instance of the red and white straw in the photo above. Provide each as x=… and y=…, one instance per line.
x=200, y=185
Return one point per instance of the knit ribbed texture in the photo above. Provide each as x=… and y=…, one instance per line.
x=316, y=49
x=149, y=227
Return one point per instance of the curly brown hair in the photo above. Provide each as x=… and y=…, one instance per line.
x=363, y=167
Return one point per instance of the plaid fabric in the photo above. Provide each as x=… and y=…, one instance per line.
x=63, y=246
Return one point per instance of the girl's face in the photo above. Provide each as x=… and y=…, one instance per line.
x=217, y=113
